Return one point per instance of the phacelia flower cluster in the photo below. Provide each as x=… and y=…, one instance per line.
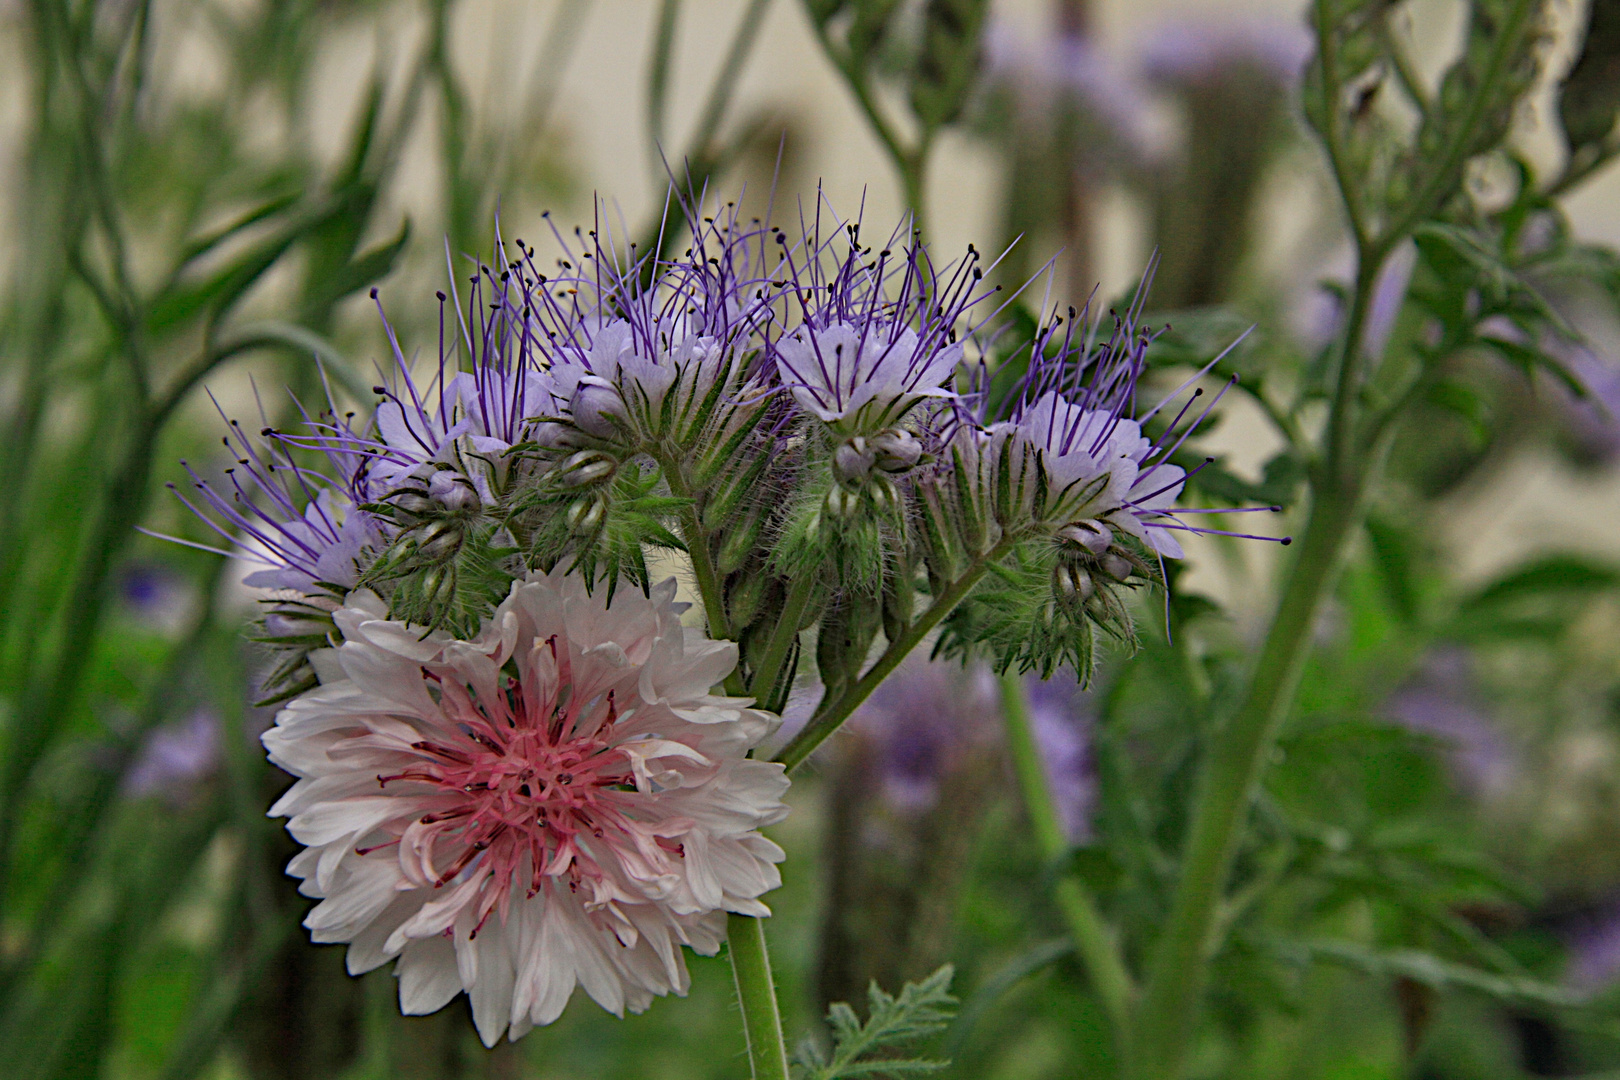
x=513, y=777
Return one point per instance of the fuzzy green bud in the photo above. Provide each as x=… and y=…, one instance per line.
x=853, y=460
x=439, y=540
x=841, y=503
x=585, y=515
x=585, y=468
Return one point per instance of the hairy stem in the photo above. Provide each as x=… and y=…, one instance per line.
x=1164, y=1022
x=764, y=685
x=756, y=992
x=1093, y=938
x=829, y=718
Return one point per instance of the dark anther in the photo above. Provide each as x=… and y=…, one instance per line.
x=374, y=292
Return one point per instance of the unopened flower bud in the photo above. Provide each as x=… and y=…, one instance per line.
x=439, y=541
x=1117, y=567
x=585, y=515
x=554, y=436
x=451, y=491
x=597, y=407
x=841, y=503
x=585, y=468
x=885, y=496
x=412, y=502
x=1073, y=582
x=853, y=460
x=897, y=450
x=1094, y=536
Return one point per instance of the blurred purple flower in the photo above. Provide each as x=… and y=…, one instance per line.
x=923, y=721
x=1040, y=74
x=1594, y=949
x=1441, y=700
x=174, y=757
x=1197, y=51
x=156, y=596
x=1061, y=718
x=1594, y=421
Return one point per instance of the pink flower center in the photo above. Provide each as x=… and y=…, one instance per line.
x=515, y=799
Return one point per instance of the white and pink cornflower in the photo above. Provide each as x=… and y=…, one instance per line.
x=559, y=801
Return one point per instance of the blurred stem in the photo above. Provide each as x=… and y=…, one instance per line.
x=911, y=163
x=832, y=715
x=1164, y=1022
x=1094, y=939
x=704, y=572
x=699, y=162
x=756, y=993
x=669, y=12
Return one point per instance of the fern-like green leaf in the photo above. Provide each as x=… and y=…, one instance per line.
x=920, y=1009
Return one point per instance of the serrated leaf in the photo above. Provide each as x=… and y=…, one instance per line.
x=921, y=1009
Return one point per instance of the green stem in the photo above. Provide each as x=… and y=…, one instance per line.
x=828, y=719
x=1094, y=939
x=1164, y=1022
x=1180, y=965
x=756, y=992
x=763, y=686
x=697, y=548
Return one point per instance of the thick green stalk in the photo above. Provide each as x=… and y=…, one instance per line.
x=1164, y=1022
x=1177, y=978
x=750, y=959
x=1094, y=939
x=828, y=719
x=756, y=992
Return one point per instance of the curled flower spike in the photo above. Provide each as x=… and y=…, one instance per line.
x=459, y=422
x=558, y=801
x=304, y=525
x=1074, y=409
x=636, y=347
x=879, y=336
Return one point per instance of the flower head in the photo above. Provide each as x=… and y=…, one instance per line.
x=1076, y=412
x=878, y=336
x=558, y=801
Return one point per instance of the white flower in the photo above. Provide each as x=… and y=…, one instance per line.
x=559, y=801
x=866, y=376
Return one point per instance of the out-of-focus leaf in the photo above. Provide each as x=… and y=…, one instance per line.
x=1093, y=865
x=361, y=271
x=1465, y=401
x=1392, y=549
x=996, y=987
x=1589, y=96
x=1555, y=574
x=226, y=285
x=1430, y=970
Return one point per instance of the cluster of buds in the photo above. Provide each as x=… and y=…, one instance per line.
x=810, y=422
